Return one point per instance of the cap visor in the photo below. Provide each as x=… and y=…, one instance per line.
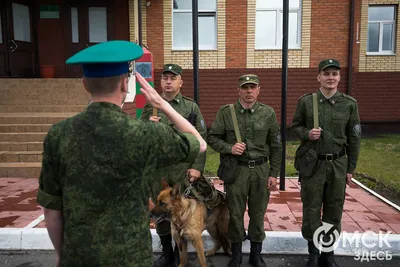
x=174, y=72
x=247, y=82
x=331, y=66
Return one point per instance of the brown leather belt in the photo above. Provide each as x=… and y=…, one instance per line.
x=331, y=157
x=252, y=163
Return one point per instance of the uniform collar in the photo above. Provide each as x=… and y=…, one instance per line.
x=333, y=99
x=243, y=110
x=103, y=105
x=177, y=98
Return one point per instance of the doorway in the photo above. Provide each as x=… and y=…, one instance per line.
x=88, y=23
x=17, y=40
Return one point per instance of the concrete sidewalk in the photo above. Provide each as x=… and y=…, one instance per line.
x=22, y=226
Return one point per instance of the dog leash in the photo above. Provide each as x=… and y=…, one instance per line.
x=212, y=200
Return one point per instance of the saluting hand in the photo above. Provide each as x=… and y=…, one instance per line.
x=149, y=92
x=315, y=134
x=238, y=148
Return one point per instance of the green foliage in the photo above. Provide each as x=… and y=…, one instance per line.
x=379, y=160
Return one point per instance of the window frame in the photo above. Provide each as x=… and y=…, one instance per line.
x=279, y=28
x=201, y=13
x=381, y=23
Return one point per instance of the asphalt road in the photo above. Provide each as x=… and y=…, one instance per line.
x=47, y=259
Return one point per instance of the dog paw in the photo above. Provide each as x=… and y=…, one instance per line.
x=210, y=253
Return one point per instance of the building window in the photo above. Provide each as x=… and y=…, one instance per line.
x=381, y=29
x=269, y=24
x=182, y=38
x=97, y=24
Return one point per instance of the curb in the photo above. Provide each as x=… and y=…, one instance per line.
x=275, y=242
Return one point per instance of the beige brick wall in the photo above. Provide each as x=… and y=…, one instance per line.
x=374, y=63
x=133, y=30
x=214, y=59
x=297, y=58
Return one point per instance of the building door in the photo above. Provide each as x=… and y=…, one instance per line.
x=87, y=24
x=17, y=42
x=4, y=57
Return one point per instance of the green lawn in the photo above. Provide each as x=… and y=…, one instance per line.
x=378, y=161
x=213, y=160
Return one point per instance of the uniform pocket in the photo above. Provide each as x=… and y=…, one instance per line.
x=260, y=132
x=339, y=122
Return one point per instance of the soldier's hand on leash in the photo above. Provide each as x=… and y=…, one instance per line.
x=155, y=118
x=238, y=148
x=193, y=175
x=272, y=182
x=315, y=134
x=348, y=178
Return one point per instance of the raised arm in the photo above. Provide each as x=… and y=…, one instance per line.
x=157, y=101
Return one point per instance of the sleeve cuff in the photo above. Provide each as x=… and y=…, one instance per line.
x=49, y=201
x=194, y=147
x=273, y=174
x=197, y=167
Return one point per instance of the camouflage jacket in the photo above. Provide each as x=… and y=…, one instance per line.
x=339, y=120
x=258, y=128
x=184, y=106
x=95, y=167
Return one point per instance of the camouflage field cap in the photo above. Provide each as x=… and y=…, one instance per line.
x=174, y=68
x=107, y=59
x=248, y=78
x=326, y=63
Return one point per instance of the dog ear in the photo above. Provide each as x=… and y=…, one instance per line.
x=175, y=190
x=165, y=183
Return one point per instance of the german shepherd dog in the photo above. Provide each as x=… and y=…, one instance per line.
x=189, y=219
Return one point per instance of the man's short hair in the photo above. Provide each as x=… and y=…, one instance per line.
x=104, y=85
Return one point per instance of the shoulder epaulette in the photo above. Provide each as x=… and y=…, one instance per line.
x=188, y=98
x=224, y=107
x=305, y=95
x=350, y=97
x=265, y=106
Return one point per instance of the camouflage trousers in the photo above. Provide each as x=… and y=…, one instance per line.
x=326, y=190
x=250, y=187
x=173, y=176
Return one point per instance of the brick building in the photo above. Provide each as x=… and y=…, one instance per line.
x=244, y=36
x=235, y=37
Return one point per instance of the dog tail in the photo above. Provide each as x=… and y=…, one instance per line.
x=223, y=229
x=225, y=243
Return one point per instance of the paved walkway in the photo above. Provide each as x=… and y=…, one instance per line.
x=362, y=211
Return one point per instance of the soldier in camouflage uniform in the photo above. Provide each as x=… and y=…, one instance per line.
x=96, y=166
x=338, y=144
x=259, y=158
x=171, y=82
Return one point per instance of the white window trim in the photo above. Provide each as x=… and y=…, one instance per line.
x=381, y=23
x=201, y=12
x=279, y=28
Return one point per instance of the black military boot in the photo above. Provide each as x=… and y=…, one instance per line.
x=313, y=255
x=236, y=258
x=167, y=257
x=255, y=258
x=327, y=260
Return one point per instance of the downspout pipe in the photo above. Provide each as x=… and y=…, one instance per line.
x=350, y=52
x=195, y=31
x=140, y=22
